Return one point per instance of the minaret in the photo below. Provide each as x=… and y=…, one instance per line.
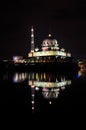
x=32, y=39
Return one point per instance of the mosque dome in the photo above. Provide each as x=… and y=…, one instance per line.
x=49, y=42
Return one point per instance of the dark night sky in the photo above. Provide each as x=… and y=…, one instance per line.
x=64, y=19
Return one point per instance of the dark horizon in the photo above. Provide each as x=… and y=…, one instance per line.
x=65, y=20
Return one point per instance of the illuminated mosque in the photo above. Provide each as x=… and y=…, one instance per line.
x=50, y=51
x=48, y=56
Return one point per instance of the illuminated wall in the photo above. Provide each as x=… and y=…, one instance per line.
x=49, y=53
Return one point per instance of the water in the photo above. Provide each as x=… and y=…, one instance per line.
x=42, y=96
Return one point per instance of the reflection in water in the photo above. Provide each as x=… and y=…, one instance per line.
x=42, y=93
x=81, y=73
x=50, y=93
x=5, y=76
x=50, y=85
x=19, y=77
x=32, y=97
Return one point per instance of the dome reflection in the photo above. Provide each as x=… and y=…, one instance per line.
x=50, y=93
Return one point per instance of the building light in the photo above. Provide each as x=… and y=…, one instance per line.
x=36, y=49
x=49, y=35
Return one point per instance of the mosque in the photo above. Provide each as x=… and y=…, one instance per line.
x=49, y=52
x=50, y=55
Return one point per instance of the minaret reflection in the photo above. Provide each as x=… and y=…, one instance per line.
x=32, y=97
x=49, y=85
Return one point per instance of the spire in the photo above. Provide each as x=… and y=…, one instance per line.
x=32, y=39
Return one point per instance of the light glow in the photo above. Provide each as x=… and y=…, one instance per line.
x=48, y=53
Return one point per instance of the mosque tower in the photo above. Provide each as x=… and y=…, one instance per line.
x=32, y=39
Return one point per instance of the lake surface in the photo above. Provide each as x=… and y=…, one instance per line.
x=42, y=96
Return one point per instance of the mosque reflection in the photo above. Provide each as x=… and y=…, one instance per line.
x=41, y=92
x=50, y=85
